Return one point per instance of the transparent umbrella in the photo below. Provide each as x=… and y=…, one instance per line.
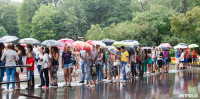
x=6, y=39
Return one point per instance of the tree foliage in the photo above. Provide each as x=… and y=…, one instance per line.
x=3, y=31
x=44, y=24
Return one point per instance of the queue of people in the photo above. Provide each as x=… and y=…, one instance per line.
x=108, y=63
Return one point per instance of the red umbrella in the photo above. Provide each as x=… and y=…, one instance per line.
x=83, y=46
x=65, y=41
x=24, y=45
x=90, y=42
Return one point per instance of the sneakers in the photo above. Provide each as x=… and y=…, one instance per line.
x=81, y=82
x=40, y=85
x=7, y=90
x=45, y=87
x=123, y=81
x=53, y=85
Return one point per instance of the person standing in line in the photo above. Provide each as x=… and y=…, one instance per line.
x=186, y=58
x=166, y=59
x=2, y=63
x=160, y=59
x=124, y=61
x=67, y=64
x=106, y=67
x=194, y=58
x=30, y=50
x=90, y=58
x=76, y=61
x=145, y=61
x=154, y=58
x=190, y=58
x=30, y=70
x=39, y=59
x=11, y=57
x=83, y=66
x=100, y=67
x=149, y=61
x=113, y=69
x=141, y=56
x=45, y=67
x=22, y=56
x=177, y=56
x=119, y=67
x=54, y=67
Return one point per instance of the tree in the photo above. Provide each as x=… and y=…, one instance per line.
x=2, y=31
x=72, y=19
x=44, y=24
x=94, y=32
x=8, y=19
x=187, y=27
x=25, y=13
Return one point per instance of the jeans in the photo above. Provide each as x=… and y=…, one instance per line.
x=10, y=72
x=39, y=67
x=123, y=70
x=83, y=66
x=46, y=75
x=141, y=68
x=29, y=74
x=2, y=70
x=100, y=73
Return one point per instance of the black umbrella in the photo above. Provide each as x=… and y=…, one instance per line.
x=108, y=42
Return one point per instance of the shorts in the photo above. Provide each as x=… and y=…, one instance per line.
x=107, y=66
x=186, y=60
x=194, y=59
x=189, y=60
x=66, y=66
x=165, y=61
x=160, y=63
x=177, y=61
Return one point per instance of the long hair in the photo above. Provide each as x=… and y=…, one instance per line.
x=22, y=49
x=2, y=46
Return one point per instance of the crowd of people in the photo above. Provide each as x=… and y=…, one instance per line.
x=109, y=63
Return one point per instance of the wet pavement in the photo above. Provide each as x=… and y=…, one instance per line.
x=156, y=86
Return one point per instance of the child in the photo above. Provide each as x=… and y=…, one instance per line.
x=30, y=62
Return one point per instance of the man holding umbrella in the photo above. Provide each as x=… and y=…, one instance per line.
x=124, y=61
x=141, y=55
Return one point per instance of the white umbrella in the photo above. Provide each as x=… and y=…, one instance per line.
x=52, y=43
x=180, y=46
x=29, y=41
x=103, y=45
x=6, y=39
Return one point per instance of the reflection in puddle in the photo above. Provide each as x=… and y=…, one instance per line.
x=152, y=87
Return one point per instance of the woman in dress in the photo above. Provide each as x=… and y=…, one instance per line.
x=89, y=62
x=54, y=67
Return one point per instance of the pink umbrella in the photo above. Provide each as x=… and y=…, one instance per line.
x=24, y=45
x=166, y=45
x=65, y=41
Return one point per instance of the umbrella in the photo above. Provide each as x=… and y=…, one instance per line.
x=180, y=46
x=52, y=43
x=24, y=45
x=127, y=40
x=184, y=44
x=28, y=41
x=165, y=45
x=193, y=46
x=76, y=42
x=6, y=39
x=119, y=44
x=114, y=50
x=164, y=48
x=65, y=42
x=108, y=42
x=103, y=45
x=146, y=48
x=83, y=46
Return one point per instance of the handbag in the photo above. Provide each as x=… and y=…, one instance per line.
x=181, y=65
x=93, y=69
